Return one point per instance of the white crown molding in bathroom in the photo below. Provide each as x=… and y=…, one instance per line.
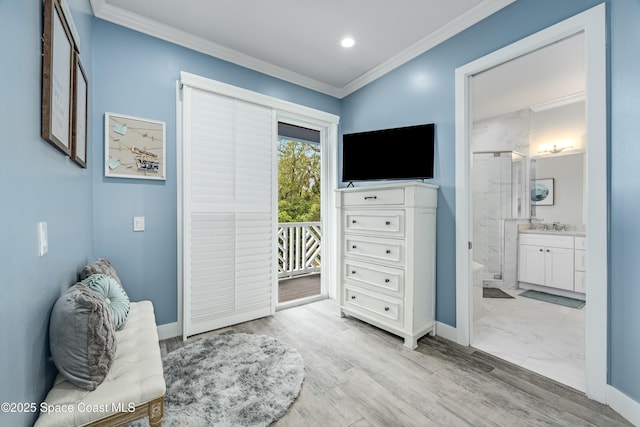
x=559, y=102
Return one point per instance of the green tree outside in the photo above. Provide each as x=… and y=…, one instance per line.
x=298, y=181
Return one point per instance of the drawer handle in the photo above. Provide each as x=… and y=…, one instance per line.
x=386, y=309
x=387, y=222
x=541, y=250
x=353, y=221
x=353, y=272
x=388, y=251
x=386, y=280
x=353, y=297
x=353, y=247
x=370, y=197
x=548, y=250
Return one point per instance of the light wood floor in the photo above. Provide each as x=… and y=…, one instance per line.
x=358, y=375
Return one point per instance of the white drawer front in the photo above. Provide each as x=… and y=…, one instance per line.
x=580, y=261
x=384, y=223
x=580, y=282
x=386, y=310
x=389, y=196
x=546, y=240
x=387, y=280
x=375, y=249
x=581, y=242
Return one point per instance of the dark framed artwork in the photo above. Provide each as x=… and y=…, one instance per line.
x=80, y=112
x=57, y=77
x=542, y=192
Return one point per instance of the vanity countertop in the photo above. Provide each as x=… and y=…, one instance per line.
x=557, y=233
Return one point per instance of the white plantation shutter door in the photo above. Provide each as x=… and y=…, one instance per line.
x=229, y=216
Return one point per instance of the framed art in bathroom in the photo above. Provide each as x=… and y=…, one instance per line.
x=542, y=192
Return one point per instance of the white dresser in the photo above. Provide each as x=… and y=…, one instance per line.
x=386, y=257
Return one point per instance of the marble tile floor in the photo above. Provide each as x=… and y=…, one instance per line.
x=546, y=338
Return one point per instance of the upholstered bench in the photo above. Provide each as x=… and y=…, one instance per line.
x=134, y=387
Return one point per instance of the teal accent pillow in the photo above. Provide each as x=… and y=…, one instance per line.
x=82, y=337
x=115, y=297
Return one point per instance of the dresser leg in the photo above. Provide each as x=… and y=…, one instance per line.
x=411, y=342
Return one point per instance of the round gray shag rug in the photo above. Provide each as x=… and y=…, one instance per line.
x=231, y=380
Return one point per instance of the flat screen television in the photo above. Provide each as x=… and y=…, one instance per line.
x=399, y=153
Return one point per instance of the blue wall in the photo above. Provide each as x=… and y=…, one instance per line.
x=423, y=91
x=137, y=76
x=624, y=290
x=38, y=184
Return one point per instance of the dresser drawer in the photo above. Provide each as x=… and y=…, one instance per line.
x=384, y=223
x=387, y=280
x=374, y=249
x=386, y=310
x=377, y=197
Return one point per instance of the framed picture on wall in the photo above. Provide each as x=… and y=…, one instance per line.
x=57, y=77
x=542, y=192
x=134, y=147
x=80, y=110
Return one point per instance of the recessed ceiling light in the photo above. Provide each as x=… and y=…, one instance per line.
x=347, y=42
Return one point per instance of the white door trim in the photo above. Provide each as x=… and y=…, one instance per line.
x=328, y=184
x=593, y=23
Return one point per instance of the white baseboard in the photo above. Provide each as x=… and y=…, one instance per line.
x=624, y=405
x=168, y=330
x=447, y=332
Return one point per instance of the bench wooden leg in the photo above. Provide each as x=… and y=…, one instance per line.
x=156, y=412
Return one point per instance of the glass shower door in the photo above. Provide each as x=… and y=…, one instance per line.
x=499, y=192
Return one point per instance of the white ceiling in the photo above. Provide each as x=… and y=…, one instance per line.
x=554, y=74
x=299, y=41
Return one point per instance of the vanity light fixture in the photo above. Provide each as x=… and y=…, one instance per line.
x=347, y=42
x=555, y=149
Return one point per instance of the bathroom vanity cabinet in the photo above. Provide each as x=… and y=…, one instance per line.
x=580, y=265
x=551, y=261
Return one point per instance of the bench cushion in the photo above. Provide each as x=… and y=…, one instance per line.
x=135, y=377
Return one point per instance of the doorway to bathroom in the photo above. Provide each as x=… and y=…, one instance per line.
x=588, y=30
x=538, y=334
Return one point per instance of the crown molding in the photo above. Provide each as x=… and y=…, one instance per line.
x=103, y=10
x=461, y=23
x=116, y=15
x=559, y=102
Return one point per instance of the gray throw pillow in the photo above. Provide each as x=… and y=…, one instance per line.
x=82, y=337
x=101, y=266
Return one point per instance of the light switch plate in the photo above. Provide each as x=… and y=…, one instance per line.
x=43, y=239
x=138, y=223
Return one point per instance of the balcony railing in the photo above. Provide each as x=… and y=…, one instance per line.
x=299, y=246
